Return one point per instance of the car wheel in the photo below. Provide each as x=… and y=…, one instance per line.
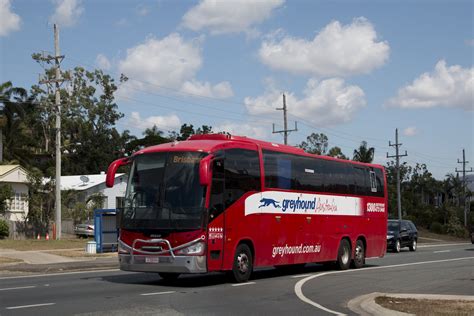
x=168, y=276
x=344, y=255
x=359, y=255
x=398, y=246
x=413, y=245
x=243, y=264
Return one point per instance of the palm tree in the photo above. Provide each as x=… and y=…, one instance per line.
x=364, y=154
x=14, y=104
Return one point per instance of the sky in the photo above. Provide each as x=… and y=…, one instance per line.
x=353, y=70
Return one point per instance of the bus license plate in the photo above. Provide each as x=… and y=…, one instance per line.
x=152, y=259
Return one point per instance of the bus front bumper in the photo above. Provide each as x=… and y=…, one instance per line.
x=149, y=263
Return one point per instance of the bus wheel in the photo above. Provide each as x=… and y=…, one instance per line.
x=343, y=255
x=168, y=276
x=243, y=264
x=359, y=255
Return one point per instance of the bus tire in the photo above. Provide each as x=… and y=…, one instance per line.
x=168, y=276
x=359, y=255
x=243, y=264
x=343, y=255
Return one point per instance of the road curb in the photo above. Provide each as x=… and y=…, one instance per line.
x=365, y=304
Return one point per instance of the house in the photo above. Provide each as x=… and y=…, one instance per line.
x=87, y=185
x=16, y=177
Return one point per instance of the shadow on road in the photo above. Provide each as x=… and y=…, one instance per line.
x=212, y=279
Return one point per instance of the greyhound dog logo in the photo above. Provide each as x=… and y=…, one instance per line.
x=268, y=202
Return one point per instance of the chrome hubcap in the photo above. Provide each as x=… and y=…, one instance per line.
x=414, y=244
x=359, y=253
x=398, y=246
x=243, y=262
x=345, y=256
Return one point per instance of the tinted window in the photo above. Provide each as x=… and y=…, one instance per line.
x=241, y=173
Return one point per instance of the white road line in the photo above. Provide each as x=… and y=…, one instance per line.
x=299, y=276
x=441, y=251
x=299, y=284
x=241, y=284
x=18, y=288
x=158, y=293
x=444, y=245
x=29, y=306
x=56, y=274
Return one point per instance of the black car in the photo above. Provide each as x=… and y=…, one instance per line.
x=398, y=236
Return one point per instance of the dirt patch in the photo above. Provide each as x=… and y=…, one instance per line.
x=5, y=260
x=81, y=253
x=32, y=244
x=426, y=307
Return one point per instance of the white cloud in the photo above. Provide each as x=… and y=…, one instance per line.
x=67, y=12
x=235, y=16
x=9, y=21
x=338, y=50
x=142, y=10
x=446, y=86
x=171, y=62
x=221, y=90
x=244, y=129
x=102, y=62
x=325, y=103
x=162, y=122
x=410, y=131
x=469, y=42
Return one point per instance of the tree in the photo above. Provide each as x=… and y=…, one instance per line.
x=315, y=144
x=89, y=113
x=336, y=152
x=152, y=136
x=364, y=154
x=15, y=105
x=6, y=192
x=187, y=130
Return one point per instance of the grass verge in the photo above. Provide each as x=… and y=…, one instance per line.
x=82, y=254
x=32, y=244
x=426, y=307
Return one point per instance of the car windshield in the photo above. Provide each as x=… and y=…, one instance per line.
x=393, y=225
x=164, y=193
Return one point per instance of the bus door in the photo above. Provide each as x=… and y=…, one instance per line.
x=216, y=229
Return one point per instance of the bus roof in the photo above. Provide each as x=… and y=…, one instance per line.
x=209, y=142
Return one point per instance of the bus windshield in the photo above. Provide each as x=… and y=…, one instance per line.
x=163, y=193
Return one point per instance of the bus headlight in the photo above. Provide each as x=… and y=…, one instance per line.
x=196, y=249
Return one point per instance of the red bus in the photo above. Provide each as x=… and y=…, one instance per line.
x=226, y=203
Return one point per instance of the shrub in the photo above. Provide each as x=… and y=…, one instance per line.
x=436, y=228
x=4, y=229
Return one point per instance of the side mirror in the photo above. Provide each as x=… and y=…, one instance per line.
x=110, y=178
x=205, y=170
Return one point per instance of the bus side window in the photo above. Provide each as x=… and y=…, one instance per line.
x=242, y=174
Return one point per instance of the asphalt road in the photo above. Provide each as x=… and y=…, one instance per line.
x=314, y=290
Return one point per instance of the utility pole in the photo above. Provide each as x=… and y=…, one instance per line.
x=397, y=159
x=464, y=162
x=285, y=130
x=57, y=58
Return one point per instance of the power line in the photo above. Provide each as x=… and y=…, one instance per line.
x=285, y=130
x=57, y=58
x=397, y=157
x=464, y=171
